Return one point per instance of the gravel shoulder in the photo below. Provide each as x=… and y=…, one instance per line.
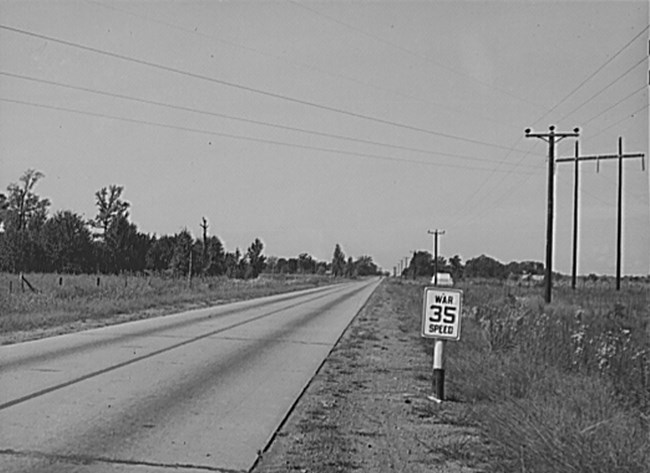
x=367, y=409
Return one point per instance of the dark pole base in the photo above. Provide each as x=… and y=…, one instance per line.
x=439, y=384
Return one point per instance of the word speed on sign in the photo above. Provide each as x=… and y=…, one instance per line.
x=441, y=317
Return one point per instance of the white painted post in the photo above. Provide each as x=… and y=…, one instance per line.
x=438, y=371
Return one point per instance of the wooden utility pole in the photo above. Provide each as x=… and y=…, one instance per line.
x=204, y=226
x=435, y=234
x=574, y=263
x=551, y=138
x=619, y=228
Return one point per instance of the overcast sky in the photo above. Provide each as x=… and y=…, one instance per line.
x=308, y=124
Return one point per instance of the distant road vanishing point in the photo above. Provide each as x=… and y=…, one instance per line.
x=203, y=390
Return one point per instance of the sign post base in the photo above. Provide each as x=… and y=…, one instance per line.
x=439, y=383
x=439, y=370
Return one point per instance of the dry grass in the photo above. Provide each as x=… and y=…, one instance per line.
x=563, y=387
x=80, y=299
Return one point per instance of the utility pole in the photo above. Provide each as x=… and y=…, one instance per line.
x=551, y=138
x=435, y=234
x=574, y=264
x=576, y=159
x=204, y=226
x=619, y=229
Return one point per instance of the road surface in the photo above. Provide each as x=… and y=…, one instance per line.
x=203, y=390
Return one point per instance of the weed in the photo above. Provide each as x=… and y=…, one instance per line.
x=62, y=300
x=561, y=387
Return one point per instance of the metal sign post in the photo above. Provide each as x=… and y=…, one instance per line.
x=441, y=321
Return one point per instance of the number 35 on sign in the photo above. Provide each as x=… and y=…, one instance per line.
x=442, y=311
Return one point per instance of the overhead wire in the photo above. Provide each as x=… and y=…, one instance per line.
x=618, y=122
x=593, y=74
x=270, y=93
x=311, y=67
x=582, y=104
x=560, y=102
x=239, y=119
x=410, y=53
x=239, y=137
x=643, y=87
x=252, y=89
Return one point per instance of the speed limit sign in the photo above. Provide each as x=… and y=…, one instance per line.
x=442, y=311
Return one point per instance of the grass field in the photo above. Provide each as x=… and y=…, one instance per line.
x=61, y=302
x=563, y=387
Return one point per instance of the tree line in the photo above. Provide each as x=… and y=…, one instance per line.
x=422, y=265
x=32, y=240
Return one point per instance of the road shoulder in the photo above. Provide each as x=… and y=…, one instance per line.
x=367, y=408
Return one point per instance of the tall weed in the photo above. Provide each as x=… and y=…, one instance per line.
x=562, y=387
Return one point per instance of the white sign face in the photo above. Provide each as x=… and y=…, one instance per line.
x=442, y=310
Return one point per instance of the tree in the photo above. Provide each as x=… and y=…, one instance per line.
x=485, y=267
x=271, y=264
x=282, y=266
x=213, y=252
x=183, y=246
x=350, y=269
x=457, y=269
x=67, y=243
x=422, y=264
x=159, y=254
x=110, y=207
x=255, y=259
x=338, y=261
x=306, y=263
x=126, y=248
x=4, y=205
x=23, y=214
x=365, y=266
x=233, y=264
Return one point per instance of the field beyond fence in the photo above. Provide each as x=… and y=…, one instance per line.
x=61, y=303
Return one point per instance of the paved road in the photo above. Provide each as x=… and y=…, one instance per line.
x=203, y=390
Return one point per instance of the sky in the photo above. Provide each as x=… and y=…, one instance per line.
x=308, y=124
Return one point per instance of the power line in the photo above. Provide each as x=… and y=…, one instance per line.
x=240, y=137
x=643, y=87
x=561, y=101
x=604, y=88
x=464, y=216
x=235, y=118
x=300, y=64
x=411, y=53
x=590, y=76
x=250, y=89
x=627, y=117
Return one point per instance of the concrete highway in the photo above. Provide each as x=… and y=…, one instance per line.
x=203, y=390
